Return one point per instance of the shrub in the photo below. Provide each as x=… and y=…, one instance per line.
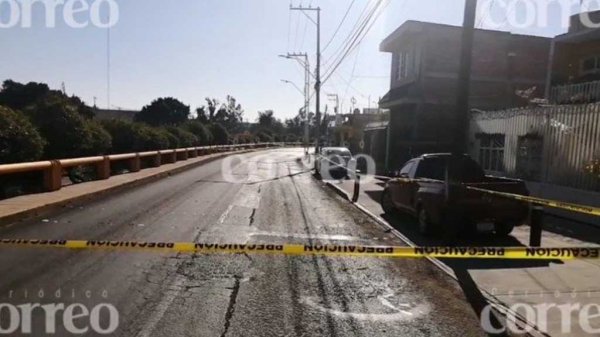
x=19, y=140
x=199, y=130
x=219, y=133
x=264, y=137
x=153, y=138
x=184, y=138
x=135, y=137
x=67, y=133
x=97, y=141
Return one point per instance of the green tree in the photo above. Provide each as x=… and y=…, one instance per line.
x=19, y=140
x=164, y=111
x=20, y=96
x=228, y=114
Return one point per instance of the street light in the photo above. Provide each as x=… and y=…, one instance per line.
x=302, y=58
x=295, y=86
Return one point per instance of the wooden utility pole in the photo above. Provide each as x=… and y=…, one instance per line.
x=464, y=78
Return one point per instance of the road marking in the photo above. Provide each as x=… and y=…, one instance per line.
x=400, y=315
x=225, y=214
x=310, y=236
x=162, y=306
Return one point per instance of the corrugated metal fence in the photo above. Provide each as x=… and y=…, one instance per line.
x=587, y=92
x=553, y=144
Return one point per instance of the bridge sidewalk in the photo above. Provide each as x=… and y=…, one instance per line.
x=33, y=205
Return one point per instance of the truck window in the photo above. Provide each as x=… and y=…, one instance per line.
x=460, y=169
x=405, y=171
x=431, y=169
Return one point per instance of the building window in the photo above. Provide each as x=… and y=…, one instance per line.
x=491, y=152
x=405, y=65
x=529, y=157
x=590, y=65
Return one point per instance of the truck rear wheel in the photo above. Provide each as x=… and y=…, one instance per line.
x=425, y=225
x=386, y=203
x=503, y=228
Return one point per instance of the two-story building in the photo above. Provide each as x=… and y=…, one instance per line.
x=574, y=75
x=424, y=77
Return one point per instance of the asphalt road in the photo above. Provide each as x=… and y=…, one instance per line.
x=272, y=200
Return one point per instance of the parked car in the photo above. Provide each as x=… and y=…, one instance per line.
x=433, y=188
x=335, y=162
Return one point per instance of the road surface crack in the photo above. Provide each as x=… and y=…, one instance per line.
x=252, y=217
x=231, y=306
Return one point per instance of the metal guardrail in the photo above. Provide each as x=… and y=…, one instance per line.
x=53, y=169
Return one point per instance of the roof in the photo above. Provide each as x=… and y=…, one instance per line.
x=438, y=155
x=103, y=114
x=396, y=95
x=412, y=26
x=585, y=35
x=336, y=148
x=377, y=126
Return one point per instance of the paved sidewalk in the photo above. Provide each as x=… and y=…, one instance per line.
x=530, y=282
x=31, y=205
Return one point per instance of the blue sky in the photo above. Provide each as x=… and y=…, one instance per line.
x=191, y=49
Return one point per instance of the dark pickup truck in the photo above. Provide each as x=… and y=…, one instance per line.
x=434, y=188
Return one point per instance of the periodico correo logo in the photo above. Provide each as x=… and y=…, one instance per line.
x=75, y=318
x=74, y=13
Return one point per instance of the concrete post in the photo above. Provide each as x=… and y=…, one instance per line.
x=356, y=193
x=53, y=177
x=157, y=160
x=103, y=168
x=134, y=163
x=536, y=224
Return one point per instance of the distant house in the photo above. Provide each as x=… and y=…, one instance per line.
x=127, y=115
x=424, y=75
x=574, y=75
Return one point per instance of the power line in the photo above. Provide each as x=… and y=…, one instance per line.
x=340, y=25
x=485, y=15
x=359, y=37
x=350, y=35
x=344, y=51
x=304, y=34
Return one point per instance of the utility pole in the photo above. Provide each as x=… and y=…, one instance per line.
x=318, y=67
x=464, y=78
x=306, y=93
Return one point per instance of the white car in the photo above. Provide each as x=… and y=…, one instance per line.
x=334, y=162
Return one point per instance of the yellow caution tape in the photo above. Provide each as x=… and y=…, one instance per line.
x=544, y=202
x=590, y=210
x=566, y=253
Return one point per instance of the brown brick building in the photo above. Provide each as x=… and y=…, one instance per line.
x=424, y=74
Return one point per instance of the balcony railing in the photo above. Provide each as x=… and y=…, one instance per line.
x=587, y=92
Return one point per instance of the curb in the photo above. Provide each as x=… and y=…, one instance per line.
x=39, y=211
